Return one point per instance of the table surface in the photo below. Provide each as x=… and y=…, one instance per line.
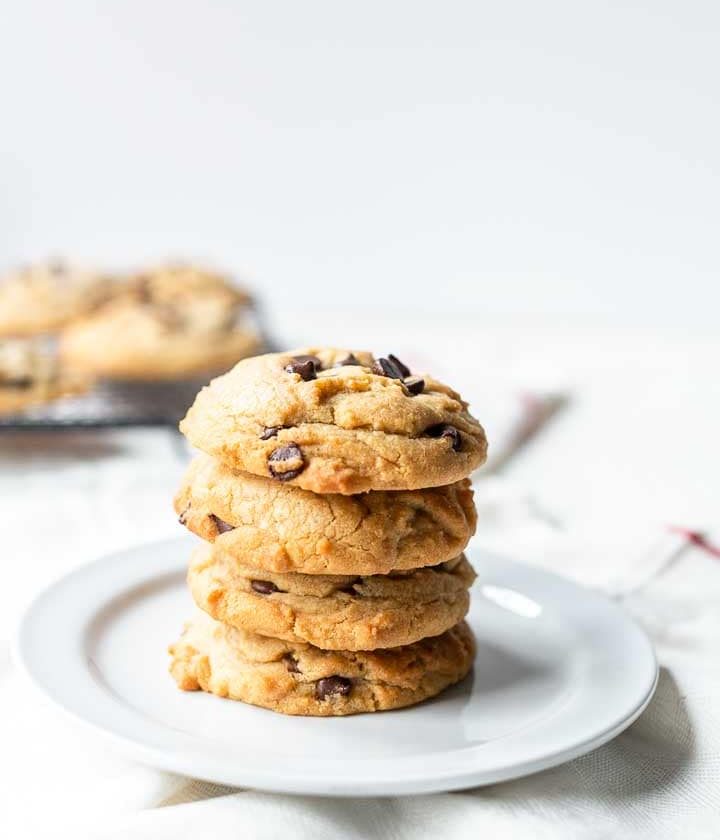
x=634, y=450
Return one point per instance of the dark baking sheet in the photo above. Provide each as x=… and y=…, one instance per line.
x=116, y=404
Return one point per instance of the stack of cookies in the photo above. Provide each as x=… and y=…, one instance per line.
x=332, y=494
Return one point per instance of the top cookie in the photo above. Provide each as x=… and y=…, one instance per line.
x=45, y=297
x=334, y=421
x=169, y=323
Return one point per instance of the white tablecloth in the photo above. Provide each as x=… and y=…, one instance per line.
x=590, y=498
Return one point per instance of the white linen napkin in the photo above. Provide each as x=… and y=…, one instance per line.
x=661, y=778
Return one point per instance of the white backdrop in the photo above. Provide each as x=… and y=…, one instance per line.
x=506, y=159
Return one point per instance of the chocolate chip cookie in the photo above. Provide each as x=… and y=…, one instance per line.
x=300, y=679
x=335, y=421
x=43, y=298
x=333, y=612
x=282, y=528
x=170, y=323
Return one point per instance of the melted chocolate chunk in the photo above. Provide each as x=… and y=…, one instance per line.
x=305, y=368
x=286, y=462
x=270, y=432
x=222, y=527
x=291, y=663
x=347, y=361
x=414, y=385
x=445, y=430
x=264, y=587
x=328, y=686
x=404, y=369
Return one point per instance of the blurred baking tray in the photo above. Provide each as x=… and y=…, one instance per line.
x=112, y=404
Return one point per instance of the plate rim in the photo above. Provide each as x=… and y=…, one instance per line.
x=431, y=781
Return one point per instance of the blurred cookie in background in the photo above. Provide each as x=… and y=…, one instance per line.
x=45, y=297
x=31, y=374
x=168, y=323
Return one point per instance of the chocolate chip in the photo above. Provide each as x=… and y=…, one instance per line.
x=17, y=382
x=286, y=462
x=291, y=663
x=182, y=519
x=264, y=587
x=444, y=430
x=305, y=370
x=414, y=385
x=270, y=432
x=392, y=367
x=222, y=527
x=404, y=369
x=348, y=360
x=384, y=367
x=305, y=366
x=328, y=686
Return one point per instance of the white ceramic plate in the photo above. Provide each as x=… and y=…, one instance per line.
x=559, y=671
